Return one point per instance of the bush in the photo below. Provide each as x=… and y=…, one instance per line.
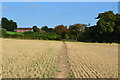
x=43, y=36
x=31, y=35
x=54, y=36
x=3, y=33
x=17, y=35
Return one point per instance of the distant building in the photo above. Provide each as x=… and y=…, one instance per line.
x=23, y=29
x=26, y=30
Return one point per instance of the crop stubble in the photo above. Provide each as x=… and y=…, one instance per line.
x=29, y=59
x=91, y=60
x=39, y=59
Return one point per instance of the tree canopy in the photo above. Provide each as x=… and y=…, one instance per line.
x=9, y=25
x=61, y=30
x=36, y=29
x=46, y=29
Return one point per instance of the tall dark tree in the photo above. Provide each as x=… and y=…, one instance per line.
x=36, y=29
x=13, y=25
x=117, y=29
x=5, y=23
x=106, y=30
x=46, y=29
x=106, y=21
x=9, y=25
x=105, y=26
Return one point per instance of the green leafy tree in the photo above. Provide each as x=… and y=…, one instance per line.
x=36, y=29
x=9, y=25
x=117, y=29
x=76, y=30
x=105, y=26
x=5, y=23
x=46, y=29
x=106, y=30
x=13, y=25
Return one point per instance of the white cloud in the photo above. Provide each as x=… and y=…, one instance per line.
x=60, y=0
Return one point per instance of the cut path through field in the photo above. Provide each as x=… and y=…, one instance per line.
x=62, y=68
x=55, y=59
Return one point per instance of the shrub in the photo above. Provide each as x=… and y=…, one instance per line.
x=17, y=35
x=43, y=36
x=3, y=33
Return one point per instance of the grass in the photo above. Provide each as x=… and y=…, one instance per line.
x=10, y=32
x=58, y=70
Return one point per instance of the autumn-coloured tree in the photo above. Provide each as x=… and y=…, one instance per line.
x=61, y=30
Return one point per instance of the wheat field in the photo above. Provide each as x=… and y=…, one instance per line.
x=29, y=59
x=49, y=59
x=88, y=60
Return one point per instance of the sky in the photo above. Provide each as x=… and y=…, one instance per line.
x=60, y=0
x=51, y=14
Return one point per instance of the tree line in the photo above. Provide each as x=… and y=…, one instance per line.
x=107, y=29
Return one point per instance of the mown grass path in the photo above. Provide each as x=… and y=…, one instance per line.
x=62, y=68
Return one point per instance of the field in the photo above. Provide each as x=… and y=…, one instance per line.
x=88, y=60
x=10, y=32
x=57, y=59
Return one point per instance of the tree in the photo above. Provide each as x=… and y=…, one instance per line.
x=105, y=26
x=76, y=30
x=116, y=32
x=106, y=21
x=5, y=23
x=46, y=29
x=36, y=29
x=9, y=25
x=61, y=30
x=13, y=25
